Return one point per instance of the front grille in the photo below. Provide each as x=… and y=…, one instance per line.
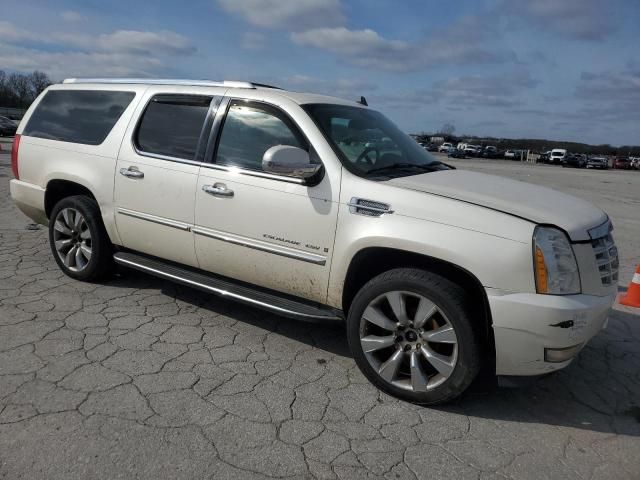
x=606, y=254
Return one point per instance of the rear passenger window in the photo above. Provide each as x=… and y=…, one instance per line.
x=78, y=116
x=171, y=125
x=249, y=130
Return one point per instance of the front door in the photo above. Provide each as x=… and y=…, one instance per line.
x=157, y=173
x=268, y=230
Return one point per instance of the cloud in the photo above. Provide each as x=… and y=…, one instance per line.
x=60, y=54
x=292, y=15
x=500, y=91
x=348, y=88
x=71, y=16
x=611, y=96
x=611, y=86
x=162, y=42
x=60, y=65
x=579, y=19
x=602, y=102
x=253, y=41
x=11, y=33
x=462, y=43
x=485, y=91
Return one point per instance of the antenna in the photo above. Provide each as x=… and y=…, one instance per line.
x=363, y=101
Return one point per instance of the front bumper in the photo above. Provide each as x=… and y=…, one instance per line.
x=527, y=324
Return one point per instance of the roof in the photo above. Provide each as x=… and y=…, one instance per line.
x=298, y=97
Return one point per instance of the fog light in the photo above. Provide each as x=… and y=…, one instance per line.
x=558, y=355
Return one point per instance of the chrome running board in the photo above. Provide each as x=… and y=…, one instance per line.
x=255, y=296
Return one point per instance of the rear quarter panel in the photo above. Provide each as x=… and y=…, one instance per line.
x=92, y=166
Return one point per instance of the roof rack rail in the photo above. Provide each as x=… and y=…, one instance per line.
x=165, y=81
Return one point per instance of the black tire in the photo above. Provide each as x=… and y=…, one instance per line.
x=451, y=299
x=101, y=263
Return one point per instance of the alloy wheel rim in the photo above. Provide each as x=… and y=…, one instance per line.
x=72, y=239
x=409, y=341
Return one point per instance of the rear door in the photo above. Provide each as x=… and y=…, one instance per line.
x=157, y=172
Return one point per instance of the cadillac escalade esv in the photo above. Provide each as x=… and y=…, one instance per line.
x=319, y=209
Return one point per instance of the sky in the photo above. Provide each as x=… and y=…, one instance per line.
x=557, y=69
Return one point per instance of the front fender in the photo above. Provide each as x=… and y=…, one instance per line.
x=497, y=262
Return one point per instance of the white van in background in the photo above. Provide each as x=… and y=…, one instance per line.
x=558, y=156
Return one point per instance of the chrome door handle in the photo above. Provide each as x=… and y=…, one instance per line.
x=218, y=189
x=131, y=172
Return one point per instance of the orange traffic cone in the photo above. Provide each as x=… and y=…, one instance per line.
x=632, y=297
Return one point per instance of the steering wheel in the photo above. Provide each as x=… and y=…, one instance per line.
x=364, y=156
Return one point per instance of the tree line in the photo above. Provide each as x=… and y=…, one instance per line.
x=18, y=90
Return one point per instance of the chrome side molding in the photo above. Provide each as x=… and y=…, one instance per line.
x=153, y=219
x=262, y=246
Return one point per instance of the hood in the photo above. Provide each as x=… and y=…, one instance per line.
x=532, y=202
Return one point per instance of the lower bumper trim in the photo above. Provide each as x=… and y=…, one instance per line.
x=559, y=355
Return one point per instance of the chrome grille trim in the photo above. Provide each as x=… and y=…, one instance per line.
x=601, y=230
x=606, y=256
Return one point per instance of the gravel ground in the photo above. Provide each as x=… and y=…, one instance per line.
x=140, y=378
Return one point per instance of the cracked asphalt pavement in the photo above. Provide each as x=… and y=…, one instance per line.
x=140, y=378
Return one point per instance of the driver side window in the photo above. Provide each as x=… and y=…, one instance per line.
x=249, y=130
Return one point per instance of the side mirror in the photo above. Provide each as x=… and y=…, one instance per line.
x=289, y=161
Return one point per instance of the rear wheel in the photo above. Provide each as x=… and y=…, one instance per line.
x=78, y=239
x=411, y=335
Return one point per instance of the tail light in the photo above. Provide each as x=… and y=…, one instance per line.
x=14, y=156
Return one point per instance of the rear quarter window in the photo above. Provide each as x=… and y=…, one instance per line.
x=77, y=116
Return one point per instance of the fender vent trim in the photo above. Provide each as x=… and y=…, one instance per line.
x=368, y=208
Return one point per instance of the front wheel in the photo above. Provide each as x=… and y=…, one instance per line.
x=78, y=239
x=411, y=335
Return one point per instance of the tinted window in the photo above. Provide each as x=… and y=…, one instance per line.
x=171, y=125
x=249, y=130
x=78, y=116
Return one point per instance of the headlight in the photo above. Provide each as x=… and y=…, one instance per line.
x=555, y=266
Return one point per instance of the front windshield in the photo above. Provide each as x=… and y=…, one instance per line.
x=369, y=144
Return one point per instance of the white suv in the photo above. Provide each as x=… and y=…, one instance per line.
x=318, y=209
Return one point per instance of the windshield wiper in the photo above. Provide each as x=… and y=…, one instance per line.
x=431, y=167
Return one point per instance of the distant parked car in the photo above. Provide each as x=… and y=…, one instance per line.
x=490, y=152
x=598, y=162
x=456, y=153
x=622, y=163
x=544, y=157
x=432, y=147
x=473, y=150
x=7, y=127
x=576, y=160
x=445, y=147
x=513, y=154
